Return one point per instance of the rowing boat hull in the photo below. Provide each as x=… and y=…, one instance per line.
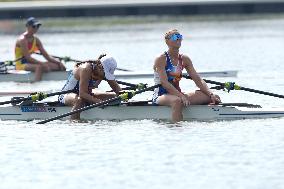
x=123, y=112
x=26, y=76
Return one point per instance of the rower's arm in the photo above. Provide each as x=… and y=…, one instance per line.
x=44, y=52
x=200, y=83
x=85, y=75
x=159, y=66
x=115, y=86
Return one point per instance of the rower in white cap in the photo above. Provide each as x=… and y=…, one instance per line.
x=84, y=77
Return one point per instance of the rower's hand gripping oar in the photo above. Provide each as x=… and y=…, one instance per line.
x=124, y=96
x=232, y=86
x=36, y=97
x=68, y=59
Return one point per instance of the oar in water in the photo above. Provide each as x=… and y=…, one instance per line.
x=68, y=59
x=232, y=86
x=36, y=97
x=124, y=96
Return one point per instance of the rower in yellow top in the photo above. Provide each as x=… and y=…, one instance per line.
x=27, y=44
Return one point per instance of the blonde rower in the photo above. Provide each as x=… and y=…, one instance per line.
x=168, y=69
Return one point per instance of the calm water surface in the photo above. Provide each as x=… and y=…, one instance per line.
x=151, y=154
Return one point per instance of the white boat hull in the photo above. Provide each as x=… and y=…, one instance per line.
x=26, y=76
x=134, y=112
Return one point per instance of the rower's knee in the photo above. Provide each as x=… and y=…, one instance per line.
x=177, y=103
x=39, y=68
x=78, y=102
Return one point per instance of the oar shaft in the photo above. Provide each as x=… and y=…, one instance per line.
x=262, y=92
x=95, y=105
x=123, y=69
x=15, y=101
x=127, y=84
x=206, y=80
x=241, y=88
x=213, y=82
x=60, y=92
x=30, y=98
x=79, y=110
x=79, y=61
x=247, y=89
x=148, y=89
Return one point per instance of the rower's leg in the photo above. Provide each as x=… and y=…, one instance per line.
x=198, y=98
x=175, y=103
x=55, y=67
x=36, y=68
x=76, y=102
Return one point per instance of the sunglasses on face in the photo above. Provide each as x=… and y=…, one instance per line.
x=175, y=37
x=36, y=26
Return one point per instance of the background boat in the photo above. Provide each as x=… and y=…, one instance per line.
x=27, y=76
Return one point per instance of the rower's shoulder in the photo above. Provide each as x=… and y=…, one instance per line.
x=22, y=38
x=185, y=56
x=84, y=67
x=160, y=58
x=186, y=59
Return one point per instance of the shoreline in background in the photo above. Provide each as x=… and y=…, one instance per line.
x=87, y=24
x=83, y=8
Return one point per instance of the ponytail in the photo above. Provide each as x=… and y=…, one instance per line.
x=93, y=62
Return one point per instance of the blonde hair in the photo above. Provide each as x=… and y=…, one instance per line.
x=170, y=32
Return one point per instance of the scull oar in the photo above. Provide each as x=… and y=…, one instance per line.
x=124, y=96
x=68, y=59
x=232, y=86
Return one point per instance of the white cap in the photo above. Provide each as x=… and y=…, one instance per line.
x=109, y=65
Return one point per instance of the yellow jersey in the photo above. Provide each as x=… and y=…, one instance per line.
x=20, y=64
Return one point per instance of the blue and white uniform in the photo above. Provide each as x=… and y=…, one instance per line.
x=73, y=84
x=174, y=74
x=109, y=65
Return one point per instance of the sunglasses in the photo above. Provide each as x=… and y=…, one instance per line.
x=175, y=37
x=36, y=26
